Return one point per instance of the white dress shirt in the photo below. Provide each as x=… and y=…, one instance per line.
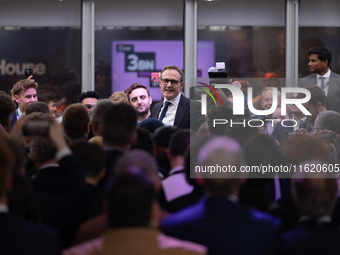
x=170, y=115
x=326, y=76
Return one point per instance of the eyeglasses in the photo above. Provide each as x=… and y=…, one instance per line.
x=166, y=81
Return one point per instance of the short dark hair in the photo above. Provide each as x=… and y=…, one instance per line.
x=133, y=87
x=317, y=95
x=43, y=148
x=119, y=124
x=76, y=119
x=179, y=142
x=37, y=107
x=323, y=54
x=144, y=140
x=46, y=96
x=7, y=107
x=130, y=199
x=88, y=94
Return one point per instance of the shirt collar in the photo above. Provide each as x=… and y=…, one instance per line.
x=326, y=75
x=175, y=100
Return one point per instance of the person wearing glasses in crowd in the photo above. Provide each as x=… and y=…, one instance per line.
x=174, y=109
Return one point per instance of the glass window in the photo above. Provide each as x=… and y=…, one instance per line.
x=44, y=36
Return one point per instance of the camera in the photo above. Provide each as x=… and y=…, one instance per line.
x=36, y=127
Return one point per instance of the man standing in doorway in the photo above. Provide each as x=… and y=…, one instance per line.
x=322, y=76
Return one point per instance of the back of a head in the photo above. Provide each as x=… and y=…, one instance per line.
x=328, y=120
x=317, y=95
x=119, y=97
x=263, y=150
x=7, y=107
x=37, y=107
x=144, y=140
x=179, y=143
x=302, y=147
x=99, y=111
x=43, y=149
x=119, y=125
x=219, y=112
x=140, y=159
x=76, y=121
x=316, y=196
x=323, y=54
x=24, y=85
x=215, y=155
x=130, y=199
x=91, y=157
x=46, y=96
x=6, y=163
x=150, y=124
x=162, y=135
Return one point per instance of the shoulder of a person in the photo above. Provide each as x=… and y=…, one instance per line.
x=167, y=242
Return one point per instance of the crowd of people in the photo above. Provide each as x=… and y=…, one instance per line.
x=119, y=175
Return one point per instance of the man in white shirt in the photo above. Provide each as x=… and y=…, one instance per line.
x=174, y=110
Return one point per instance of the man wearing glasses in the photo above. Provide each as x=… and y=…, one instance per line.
x=174, y=109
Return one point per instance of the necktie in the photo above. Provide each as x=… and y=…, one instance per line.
x=323, y=85
x=165, y=108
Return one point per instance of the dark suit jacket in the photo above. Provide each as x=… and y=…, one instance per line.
x=186, y=107
x=18, y=236
x=312, y=238
x=333, y=95
x=225, y=227
x=48, y=181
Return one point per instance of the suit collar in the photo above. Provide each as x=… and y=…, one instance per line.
x=183, y=107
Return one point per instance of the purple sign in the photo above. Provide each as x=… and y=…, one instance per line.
x=134, y=61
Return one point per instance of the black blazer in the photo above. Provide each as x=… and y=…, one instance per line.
x=225, y=228
x=182, y=118
x=18, y=236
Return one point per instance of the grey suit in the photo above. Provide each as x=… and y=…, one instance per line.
x=333, y=95
x=186, y=107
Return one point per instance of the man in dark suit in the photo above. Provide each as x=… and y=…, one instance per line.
x=322, y=76
x=219, y=221
x=18, y=236
x=175, y=109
